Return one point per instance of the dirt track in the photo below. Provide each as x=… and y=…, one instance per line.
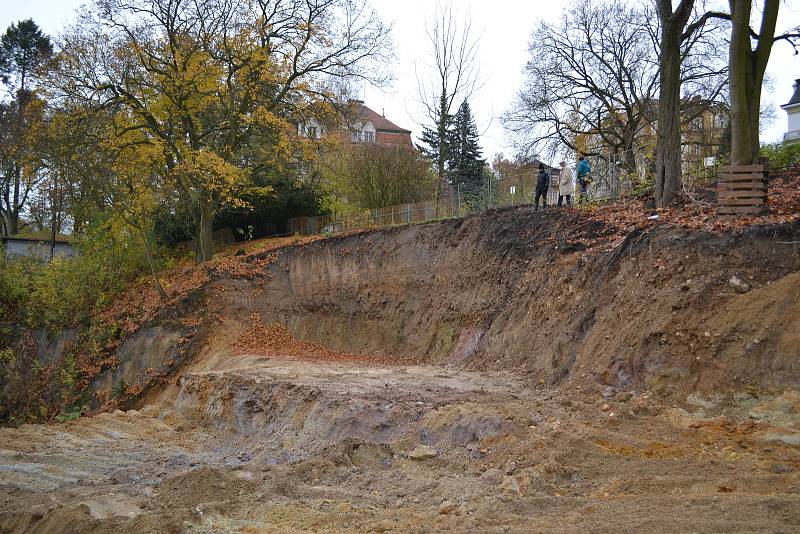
x=457, y=375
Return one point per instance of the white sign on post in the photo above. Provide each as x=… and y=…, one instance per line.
x=512, y=189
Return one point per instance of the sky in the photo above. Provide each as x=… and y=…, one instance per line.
x=504, y=28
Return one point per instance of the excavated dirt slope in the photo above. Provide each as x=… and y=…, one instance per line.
x=510, y=372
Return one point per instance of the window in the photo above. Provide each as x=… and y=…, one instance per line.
x=369, y=137
x=358, y=136
x=312, y=132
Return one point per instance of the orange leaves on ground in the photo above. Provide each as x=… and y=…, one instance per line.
x=275, y=340
x=606, y=225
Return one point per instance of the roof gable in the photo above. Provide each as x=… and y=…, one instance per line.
x=381, y=123
x=795, y=97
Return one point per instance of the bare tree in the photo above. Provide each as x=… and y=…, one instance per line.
x=682, y=63
x=596, y=75
x=591, y=75
x=452, y=79
x=747, y=68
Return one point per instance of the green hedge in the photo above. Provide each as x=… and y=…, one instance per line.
x=782, y=155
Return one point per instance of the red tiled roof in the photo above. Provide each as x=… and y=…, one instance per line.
x=381, y=123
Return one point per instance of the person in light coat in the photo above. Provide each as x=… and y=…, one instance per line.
x=566, y=185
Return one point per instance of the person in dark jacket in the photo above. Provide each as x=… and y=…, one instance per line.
x=542, y=183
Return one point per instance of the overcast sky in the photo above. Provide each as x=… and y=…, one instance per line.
x=504, y=27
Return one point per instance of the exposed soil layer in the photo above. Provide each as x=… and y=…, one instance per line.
x=516, y=371
x=655, y=308
x=292, y=445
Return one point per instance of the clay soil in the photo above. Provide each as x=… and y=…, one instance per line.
x=567, y=371
x=270, y=444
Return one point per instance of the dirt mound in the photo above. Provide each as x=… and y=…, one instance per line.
x=481, y=453
x=598, y=296
x=206, y=488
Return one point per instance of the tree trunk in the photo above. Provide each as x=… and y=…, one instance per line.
x=668, y=148
x=14, y=208
x=629, y=161
x=746, y=74
x=739, y=75
x=12, y=222
x=205, y=239
x=161, y=293
x=440, y=164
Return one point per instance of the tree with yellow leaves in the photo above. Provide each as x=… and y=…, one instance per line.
x=209, y=88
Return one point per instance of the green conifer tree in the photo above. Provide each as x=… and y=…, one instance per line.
x=465, y=162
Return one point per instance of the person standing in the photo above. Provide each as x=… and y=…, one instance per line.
x=584, y=170
x=565, y=184
x=542, y=184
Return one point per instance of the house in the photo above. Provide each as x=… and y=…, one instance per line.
x=792, y=109
x=17, y=245
x=703, y=132
x=360, y=124
x=704, y=128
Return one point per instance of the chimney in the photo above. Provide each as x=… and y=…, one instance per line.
x=354, y=101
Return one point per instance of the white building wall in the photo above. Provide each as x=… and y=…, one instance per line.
x=793, y=131
x=38, y=249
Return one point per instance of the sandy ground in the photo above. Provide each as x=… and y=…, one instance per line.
x=287, y=445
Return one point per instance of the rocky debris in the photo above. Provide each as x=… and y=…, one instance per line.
x=492, y=476
x=535, y=419
x=474, y=450
x=447, y=507
x=423, y=452
x=623, y=396
x=780, y=469
x=510, y=467
x=738, y=285
x=608, y=392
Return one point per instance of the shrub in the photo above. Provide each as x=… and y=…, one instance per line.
x=373, y=176
x=782, y=155
x=14, y=287
x=63, y=291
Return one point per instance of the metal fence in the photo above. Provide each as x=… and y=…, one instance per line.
x=457, y=201
x=609, y=181
x=415, y=212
